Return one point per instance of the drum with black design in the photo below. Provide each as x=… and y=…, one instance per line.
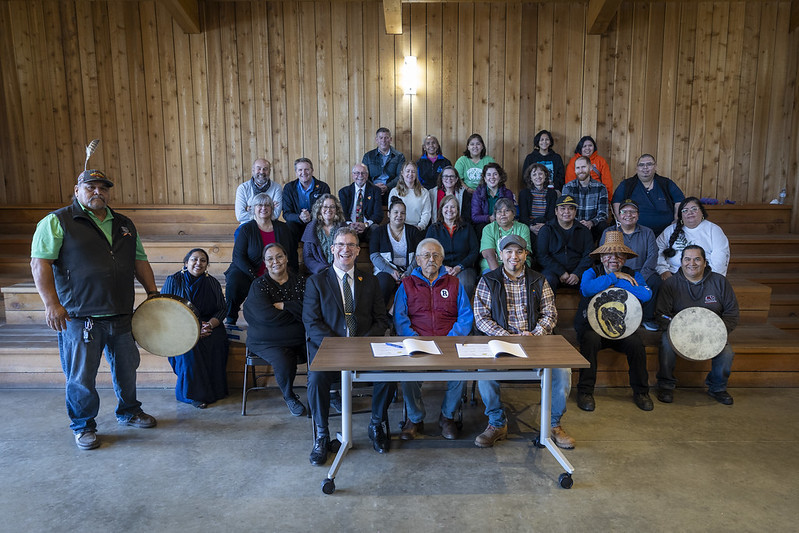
x=166, y=325
x=614, y=313
x=697, y=334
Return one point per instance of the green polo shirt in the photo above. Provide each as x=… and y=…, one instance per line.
x=492, y=234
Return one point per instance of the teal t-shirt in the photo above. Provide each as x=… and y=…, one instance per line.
x=492, y=234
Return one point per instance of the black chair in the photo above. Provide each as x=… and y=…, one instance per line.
x=251, y=362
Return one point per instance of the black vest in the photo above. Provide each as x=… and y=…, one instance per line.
x=534, y=284
x=92, y=277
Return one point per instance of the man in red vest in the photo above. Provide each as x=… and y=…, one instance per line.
x=431, y=303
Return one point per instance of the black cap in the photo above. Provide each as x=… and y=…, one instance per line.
x=93, y=175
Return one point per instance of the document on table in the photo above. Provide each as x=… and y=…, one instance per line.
x=491, y=350
x=406, y=347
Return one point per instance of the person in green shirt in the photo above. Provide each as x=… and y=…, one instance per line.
x=505, y=224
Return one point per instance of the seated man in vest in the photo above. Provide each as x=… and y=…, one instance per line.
x=643, y=242
x=563, y=246
x=431, y=303
x=300, y=195
x=516, y=300
x=657, y=197
x=361, y=202
x=611, y=272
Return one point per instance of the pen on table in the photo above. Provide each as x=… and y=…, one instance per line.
x=394, y=345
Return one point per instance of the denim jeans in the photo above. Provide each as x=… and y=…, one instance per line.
x=561, y=386
x=412, y=391
x=80, y=361
x=716, y=380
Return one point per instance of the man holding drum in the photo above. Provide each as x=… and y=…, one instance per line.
x=695, y=285
x=83, y=258
x=607, y=291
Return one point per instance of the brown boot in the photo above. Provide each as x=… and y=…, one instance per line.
x=492, y=434
x=410, y=429
x=449, y=430
x=561, y=438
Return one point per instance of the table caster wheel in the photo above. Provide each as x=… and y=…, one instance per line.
x=565, y=481
x=537, y=442
x=328, y=486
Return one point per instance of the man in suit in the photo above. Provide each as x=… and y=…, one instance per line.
x=361, y=202
x=342, y=301
x=300, y=195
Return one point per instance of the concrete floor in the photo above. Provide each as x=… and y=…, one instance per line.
x=694, y=465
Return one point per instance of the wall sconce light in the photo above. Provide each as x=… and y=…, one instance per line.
x=410, y=75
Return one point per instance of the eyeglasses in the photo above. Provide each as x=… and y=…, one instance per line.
x=693, y=209
x=342, y=245
x=275, y=259
x=503, y=212
x=328, y=208
x=628, y=212
x=646, y=165
x=434, y=256
x=360, y=173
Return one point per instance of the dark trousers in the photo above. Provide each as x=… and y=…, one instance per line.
x=632, y=347
x=284, y=361
x=237, y=286
x=319, y=399
x=388, y=286
x=648, y=308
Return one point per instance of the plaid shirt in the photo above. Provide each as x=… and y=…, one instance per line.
x=592, y=201
x=517, y=309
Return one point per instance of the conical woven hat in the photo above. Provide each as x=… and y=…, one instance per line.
x=614, y=244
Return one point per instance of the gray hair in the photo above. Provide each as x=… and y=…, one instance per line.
x=260, y=199
x=432, y=241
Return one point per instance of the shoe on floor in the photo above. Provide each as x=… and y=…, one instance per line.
x=199, y=404
x=318, y=455
x=411, y=429
x=381, y=442
x=449, y=429
x=651, y=325
x=585, y=401
x=141, y=420
x=335, y=401
x=665, y=395
x=296, y=407
x=561, y=438
x=492, y=434
x=721, y=396
x=643, y=401
x=87, y=439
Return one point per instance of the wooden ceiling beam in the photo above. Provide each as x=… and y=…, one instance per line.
x=600, y=13
x=392, y=10
x=185, y=12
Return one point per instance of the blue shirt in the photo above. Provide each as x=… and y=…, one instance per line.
x=304, y=195
x=654, y=210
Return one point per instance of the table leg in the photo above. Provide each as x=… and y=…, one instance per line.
x=345, y=437
x=545, y=437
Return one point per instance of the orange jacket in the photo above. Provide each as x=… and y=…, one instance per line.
x=600, y=171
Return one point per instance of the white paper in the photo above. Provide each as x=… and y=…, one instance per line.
x=406, y=347
x=473, y=351
x=510, y=348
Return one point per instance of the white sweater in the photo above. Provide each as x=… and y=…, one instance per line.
x=707, y=235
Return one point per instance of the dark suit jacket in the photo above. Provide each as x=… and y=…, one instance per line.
x=372, y=202
x=291, y=199
x=323, y=308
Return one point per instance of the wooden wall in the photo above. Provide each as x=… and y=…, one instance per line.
x=709, y=87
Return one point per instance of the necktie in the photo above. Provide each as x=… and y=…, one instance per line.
x=349, y=308
x=359, y=207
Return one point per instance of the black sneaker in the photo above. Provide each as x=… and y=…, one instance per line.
x=141, y=420
x=721, y=396
x=296, y=407
x=643, y=401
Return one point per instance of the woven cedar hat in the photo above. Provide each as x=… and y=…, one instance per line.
x=614, y=244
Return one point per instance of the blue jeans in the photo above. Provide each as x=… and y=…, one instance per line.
x=412, y=391
x=561, y=386
x=716, y=380
x=81, y=360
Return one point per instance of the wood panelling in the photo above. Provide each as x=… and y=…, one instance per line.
x=708, y=87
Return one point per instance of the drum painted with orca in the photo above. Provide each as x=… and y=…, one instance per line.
x=614, y=313
x=166, y=325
